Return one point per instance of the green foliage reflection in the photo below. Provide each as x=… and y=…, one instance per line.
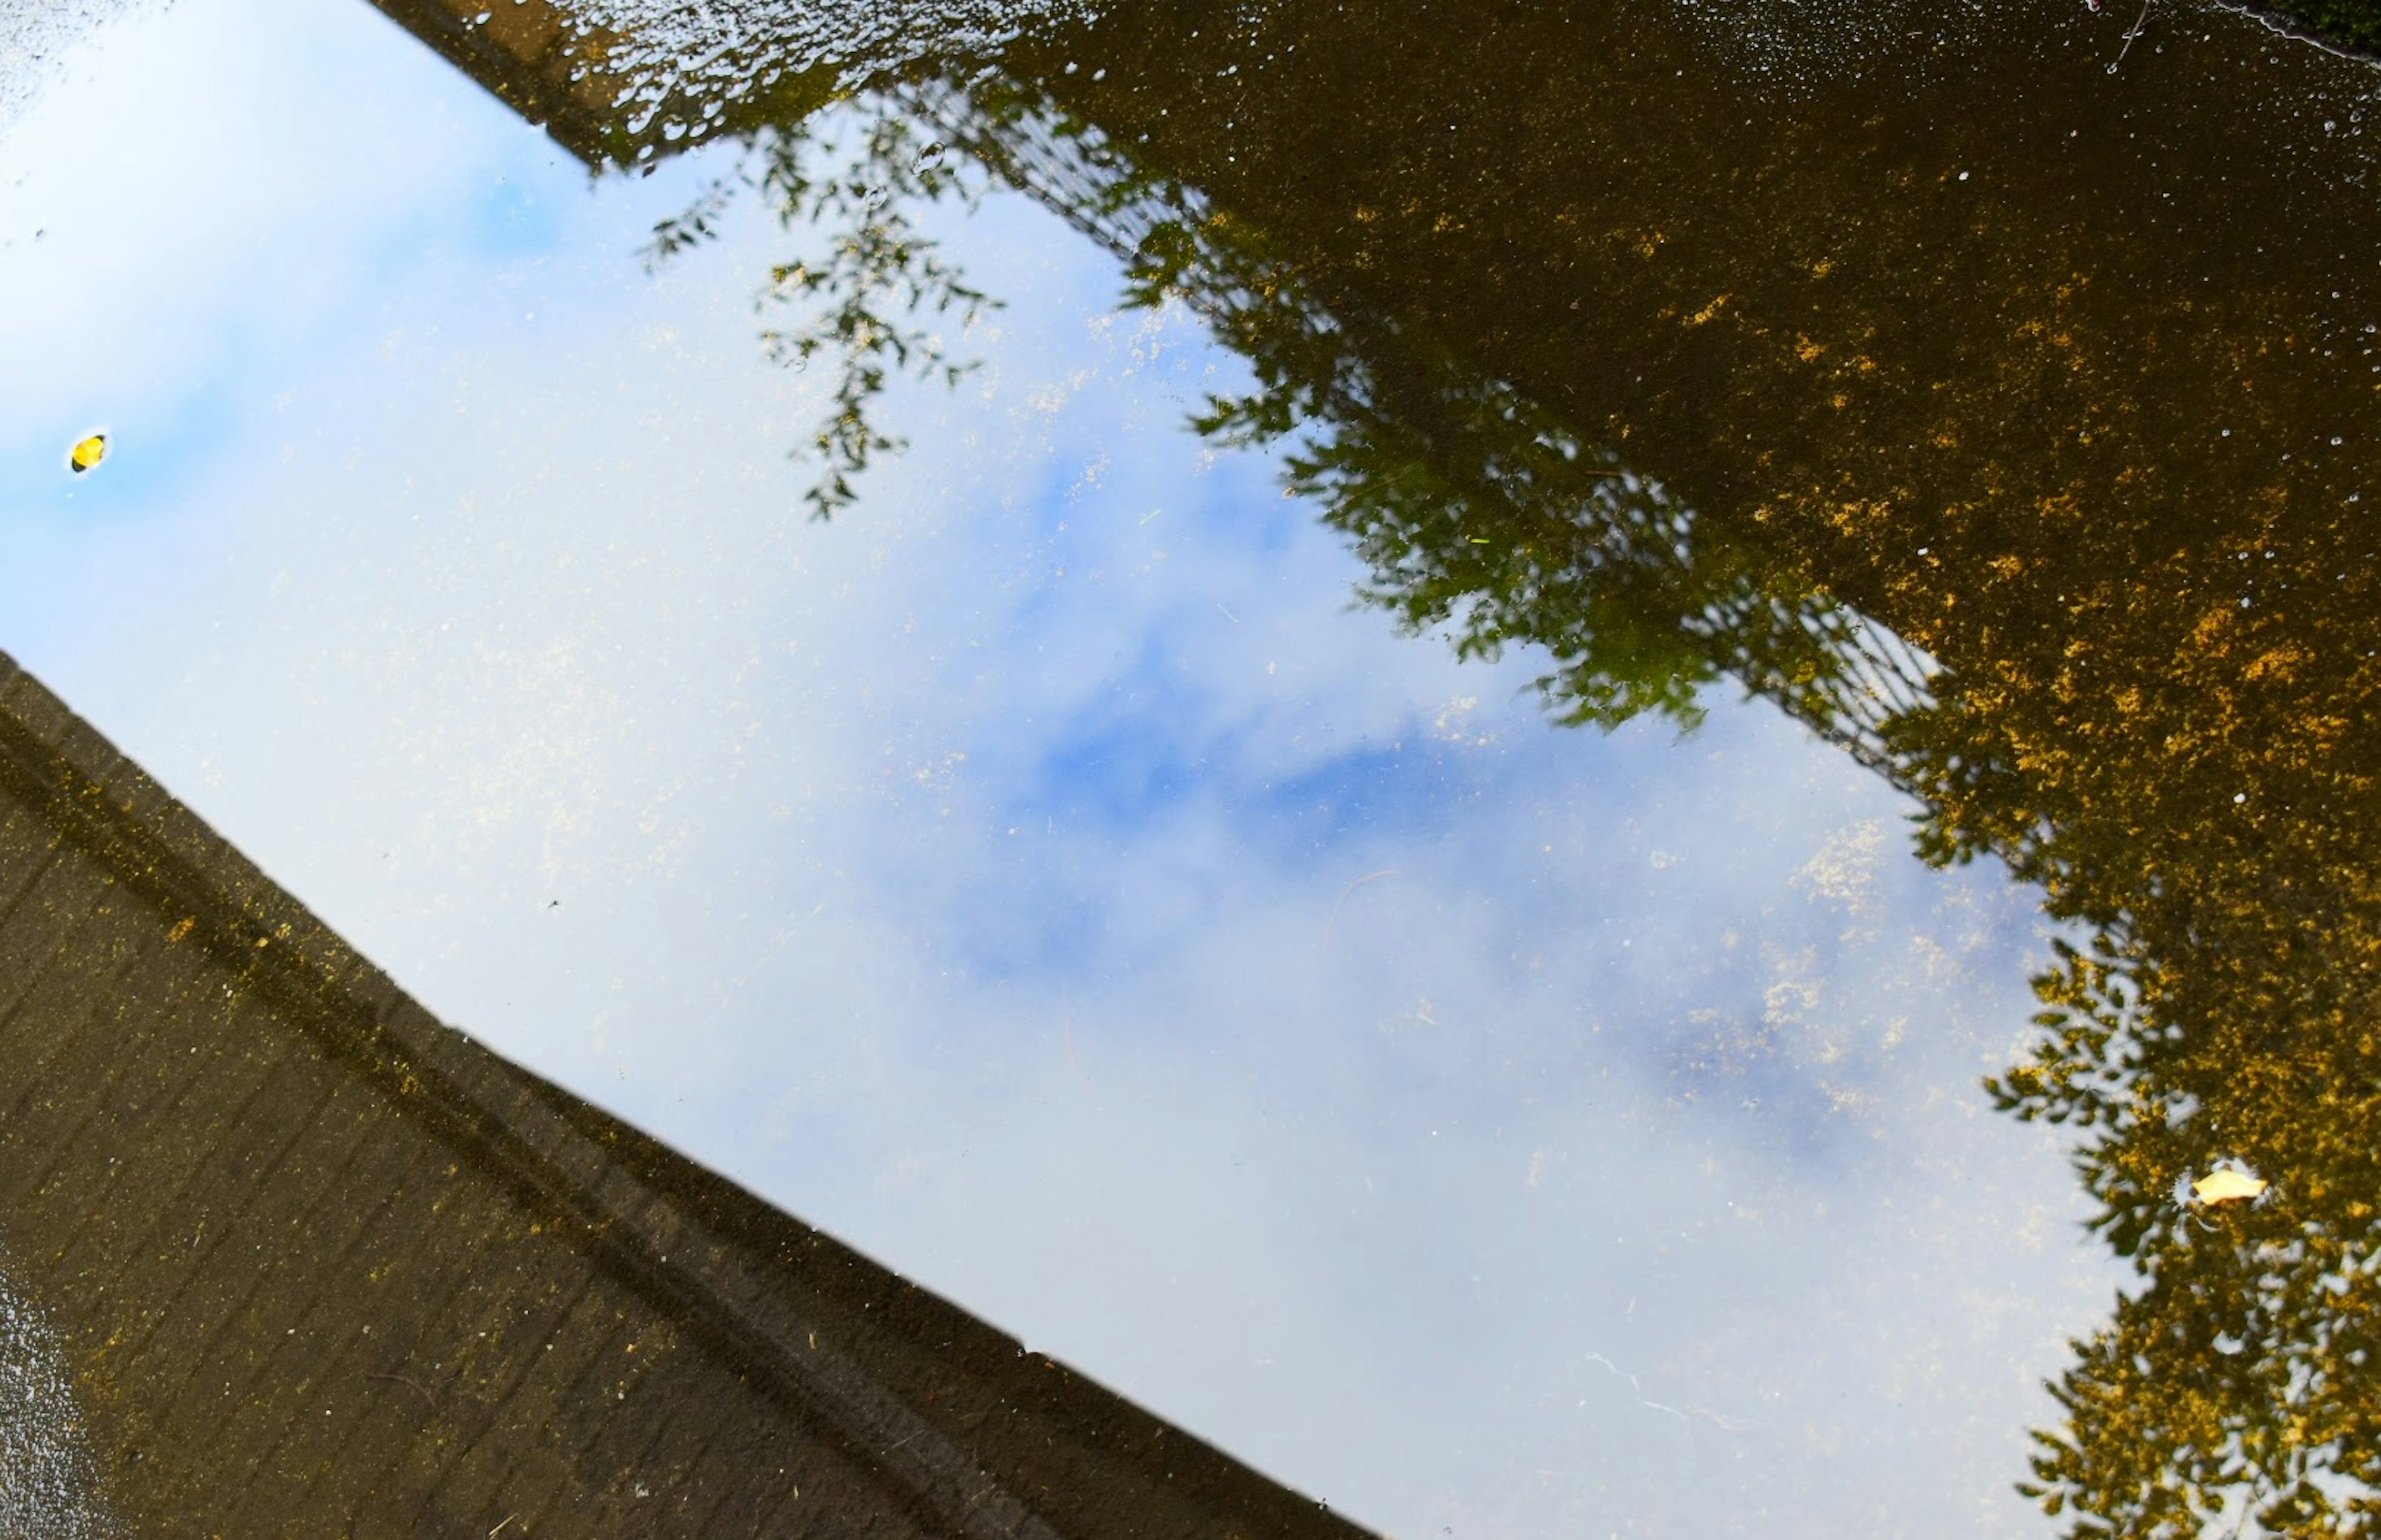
x=861, y=305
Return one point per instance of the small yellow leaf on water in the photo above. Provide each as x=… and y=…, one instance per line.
x=89, y=452
x=2226, y=1187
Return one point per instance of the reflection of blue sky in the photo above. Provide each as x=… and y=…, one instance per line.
x=984, y=874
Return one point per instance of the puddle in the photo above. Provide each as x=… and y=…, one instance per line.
x=1480, y=753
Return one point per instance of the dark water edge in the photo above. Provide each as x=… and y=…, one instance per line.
x=2349, y=28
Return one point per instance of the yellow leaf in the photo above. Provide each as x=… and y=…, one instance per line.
x=89, y=452
x=2227, y=1186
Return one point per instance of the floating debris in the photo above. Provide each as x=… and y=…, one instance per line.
x=87, y=453
x=2226, y=1185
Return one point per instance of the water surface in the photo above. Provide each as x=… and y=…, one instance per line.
x=1406, y=770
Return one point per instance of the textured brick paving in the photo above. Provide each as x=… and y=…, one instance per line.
x=322, y=1266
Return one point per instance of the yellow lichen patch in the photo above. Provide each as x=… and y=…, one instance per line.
x=1705, y=314
x=2280, y=663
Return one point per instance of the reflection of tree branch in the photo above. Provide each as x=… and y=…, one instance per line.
x=860, y=303
x=697, y=225
x=1481, y=514
x=879, y=271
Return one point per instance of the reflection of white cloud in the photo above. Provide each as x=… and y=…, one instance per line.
x=36, y=42
x=983, y=875
x=1844, y=873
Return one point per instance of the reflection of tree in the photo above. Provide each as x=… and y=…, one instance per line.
x=2228, y=1010
x=2137, y=669
x=860, y=304
x=2241, y=1383
x=1480, y=516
